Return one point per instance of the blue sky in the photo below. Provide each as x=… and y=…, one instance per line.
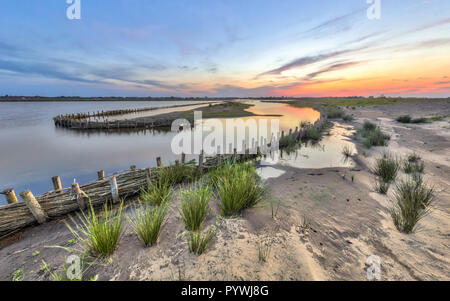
x=225, y=48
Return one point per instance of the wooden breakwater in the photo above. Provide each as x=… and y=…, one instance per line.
x=62, y=201
x=99, y=119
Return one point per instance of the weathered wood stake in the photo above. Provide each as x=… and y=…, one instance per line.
x=183, y=158
x=34, y=206
x=57, y=183
x=114, y=190
x=101, y=174
x=10, y=196
x=81, y=197
x=158, y=162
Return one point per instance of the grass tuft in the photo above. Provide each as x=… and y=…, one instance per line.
x=238, y=188
x=348, y=117
x=198, y=242
x=148, y=223
x=98, y=235
x=404, y=119
x=263, y=251
x=195, y=206
x=386, y=168
x=413, y=164
x=157, y=193
x=347, y=151
x=412, y=202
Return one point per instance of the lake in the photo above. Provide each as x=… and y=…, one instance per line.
x=32, y=149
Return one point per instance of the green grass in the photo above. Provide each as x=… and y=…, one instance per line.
x=333, y=111
x=195, y=206
x=382, y=187
x=352, y=101
x=238, y=188
x=157, y=193
x=98, y=235
x=372, y=135
x=404, y=119
x=17, y=275
x=198, y=241
x=311, y=133
x=412, y=202
x=178, y=173
x=386, y=168
x=263, y=251
x=420, y=120
x=348, y=117
x=413, y=164
x=148, y=223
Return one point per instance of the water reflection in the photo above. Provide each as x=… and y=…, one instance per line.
x=32, y=150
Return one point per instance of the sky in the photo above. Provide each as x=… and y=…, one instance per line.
x=225, y=48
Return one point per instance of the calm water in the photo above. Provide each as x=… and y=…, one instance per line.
x=32, y=150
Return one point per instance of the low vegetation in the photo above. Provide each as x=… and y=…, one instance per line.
x=347, y=151
x=148, y=223
x=413, y=164
x=412, y=202
x=238, y=188
x=386, y=167
x=348, y=117
x=157, y=193
x=263, y=251
x=409, y=119
x=178, y=173
x=198, y=241
x=195, y=206
x=372, y=135
x=98, y=235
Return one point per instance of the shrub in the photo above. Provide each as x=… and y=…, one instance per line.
x=412, y=202
x=386, y=168
x=311, y=133
x=404, y=119
x=369, y=126
x=195, y=206
x=348, y=117
x=420, y=120
x=381, y=186
x=238, y=189
x=99, y=235
x=198, y=242
x=148, y=223
x=177, y=174
x=333, y=111
x=347, y=151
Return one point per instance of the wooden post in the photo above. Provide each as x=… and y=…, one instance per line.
x=200, y=162
x=133, y=167
x=148, y=173
x=282, y=134
x=290, y=132
x=10, y=196
x=80, y=195
x=34, y=206
x=101, y=174
x=183, y=158
x=158, y=162
x=57, y=184
x=114, y=190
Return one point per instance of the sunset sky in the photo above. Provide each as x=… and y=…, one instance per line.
x=225, y=48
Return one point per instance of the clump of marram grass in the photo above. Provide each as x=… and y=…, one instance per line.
x=178, y=173
x=413, y=164
x=311, y=133
x=373, y=136
x=386, y=167
x=157, y=192
x=348, y=117
x=381, y=187
x=198, y=241
x=288, y=143
x=413, y=199
x=195, y=206
x=333, y=111
x=238, y=188
x=263, y=251
x=347, y=151
x=148, y=223
x=98, y=235
x=404, y=119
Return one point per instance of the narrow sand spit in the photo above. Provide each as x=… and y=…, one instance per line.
x=325, y=228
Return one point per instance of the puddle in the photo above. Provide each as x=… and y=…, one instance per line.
x=268, y=172
x=324, y=154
